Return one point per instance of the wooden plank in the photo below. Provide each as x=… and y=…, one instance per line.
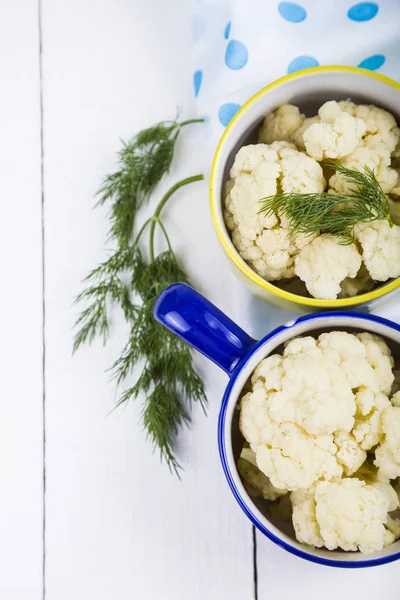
x=282, y=576
x=118, y=524
x=21, y=441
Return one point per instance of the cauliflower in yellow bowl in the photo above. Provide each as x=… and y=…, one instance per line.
x=291, y=158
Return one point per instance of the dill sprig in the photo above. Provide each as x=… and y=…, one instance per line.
x=142, y=163
x=167, y=379
x=336, y=214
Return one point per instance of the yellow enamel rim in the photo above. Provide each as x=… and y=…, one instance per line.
x=222, y=234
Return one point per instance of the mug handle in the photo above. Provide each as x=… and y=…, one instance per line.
x=186, y=313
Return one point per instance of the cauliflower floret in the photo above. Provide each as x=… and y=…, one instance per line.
x=395, y=399
x=380, y=245
x=278, y=446
x=258, y=171
x=351, y=515
x=324, y=263
x=360, y=158
x=360, y=284
x=378, y=122
x=387, y=454
x=350, y=354
x=268, y=373
x=257, y=483
x=277, y=250
x=380, y=358
x=368, y=422
x=271, y=256
x=282, y=124
x=350, y=454
x=381, y=139
x=348, y=514
x=304, y=517
x=255, y=423
x=335, y=136
x=243, y=201
x=315, y=392
x=298, y=136
x=248, y=158
x=294, y=460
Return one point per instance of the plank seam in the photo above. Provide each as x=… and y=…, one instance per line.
x=255, y=574
x=43, y=298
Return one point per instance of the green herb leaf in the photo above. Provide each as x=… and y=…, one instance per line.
x=142, y=163
x=167, y=378
x=336, y=214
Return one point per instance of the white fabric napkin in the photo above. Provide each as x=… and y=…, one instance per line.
x=242, y=45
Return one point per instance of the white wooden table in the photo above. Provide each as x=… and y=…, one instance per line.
x=86, y=510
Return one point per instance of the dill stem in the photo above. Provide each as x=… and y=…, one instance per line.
x=161, y=205
x=189, y=121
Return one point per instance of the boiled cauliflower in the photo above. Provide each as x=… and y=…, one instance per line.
x=278, y=446
x=352, y=514
x=348, y=514
x=286, y=161
x=313, y=418
x=380, y=358
x=380, y=247
x=374, y=150
x=281, y=125
x=324, y=264
x=335, y=136
x=320, y=400
x=305, y=517
x=368, y=426
x=361, y=283
x=388, y=452
x=378, y=122
x=361, y=157
x=257, y=483
x=350, y=454
x=257, y=172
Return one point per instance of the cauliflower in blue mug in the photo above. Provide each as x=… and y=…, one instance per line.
x=321, y=423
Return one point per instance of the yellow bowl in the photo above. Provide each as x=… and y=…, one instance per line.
x=307, y=89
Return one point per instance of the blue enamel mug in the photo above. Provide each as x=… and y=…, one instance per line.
x=202, y=325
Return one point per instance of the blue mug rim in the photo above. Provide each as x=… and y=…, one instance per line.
x=223, y=455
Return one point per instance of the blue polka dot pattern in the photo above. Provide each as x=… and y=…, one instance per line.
x=364, y=11
x=236, y=55
x=227, y=30
x=292, y=12
x=227, y=112
x=372, y=62
x=302, y=62
x=197, y=79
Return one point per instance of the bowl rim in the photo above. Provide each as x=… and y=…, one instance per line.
x=234, y=256
x=223, y=452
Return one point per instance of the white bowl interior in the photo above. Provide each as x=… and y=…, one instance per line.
x=308, y=91
x=234, y=440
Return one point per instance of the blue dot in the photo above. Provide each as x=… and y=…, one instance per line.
x=227, y=30
x=292, y=12
x=364, y=11
x=227, y=112
x=302, y=62
x=197, y=79
x=236, y=55
x=372, y=62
